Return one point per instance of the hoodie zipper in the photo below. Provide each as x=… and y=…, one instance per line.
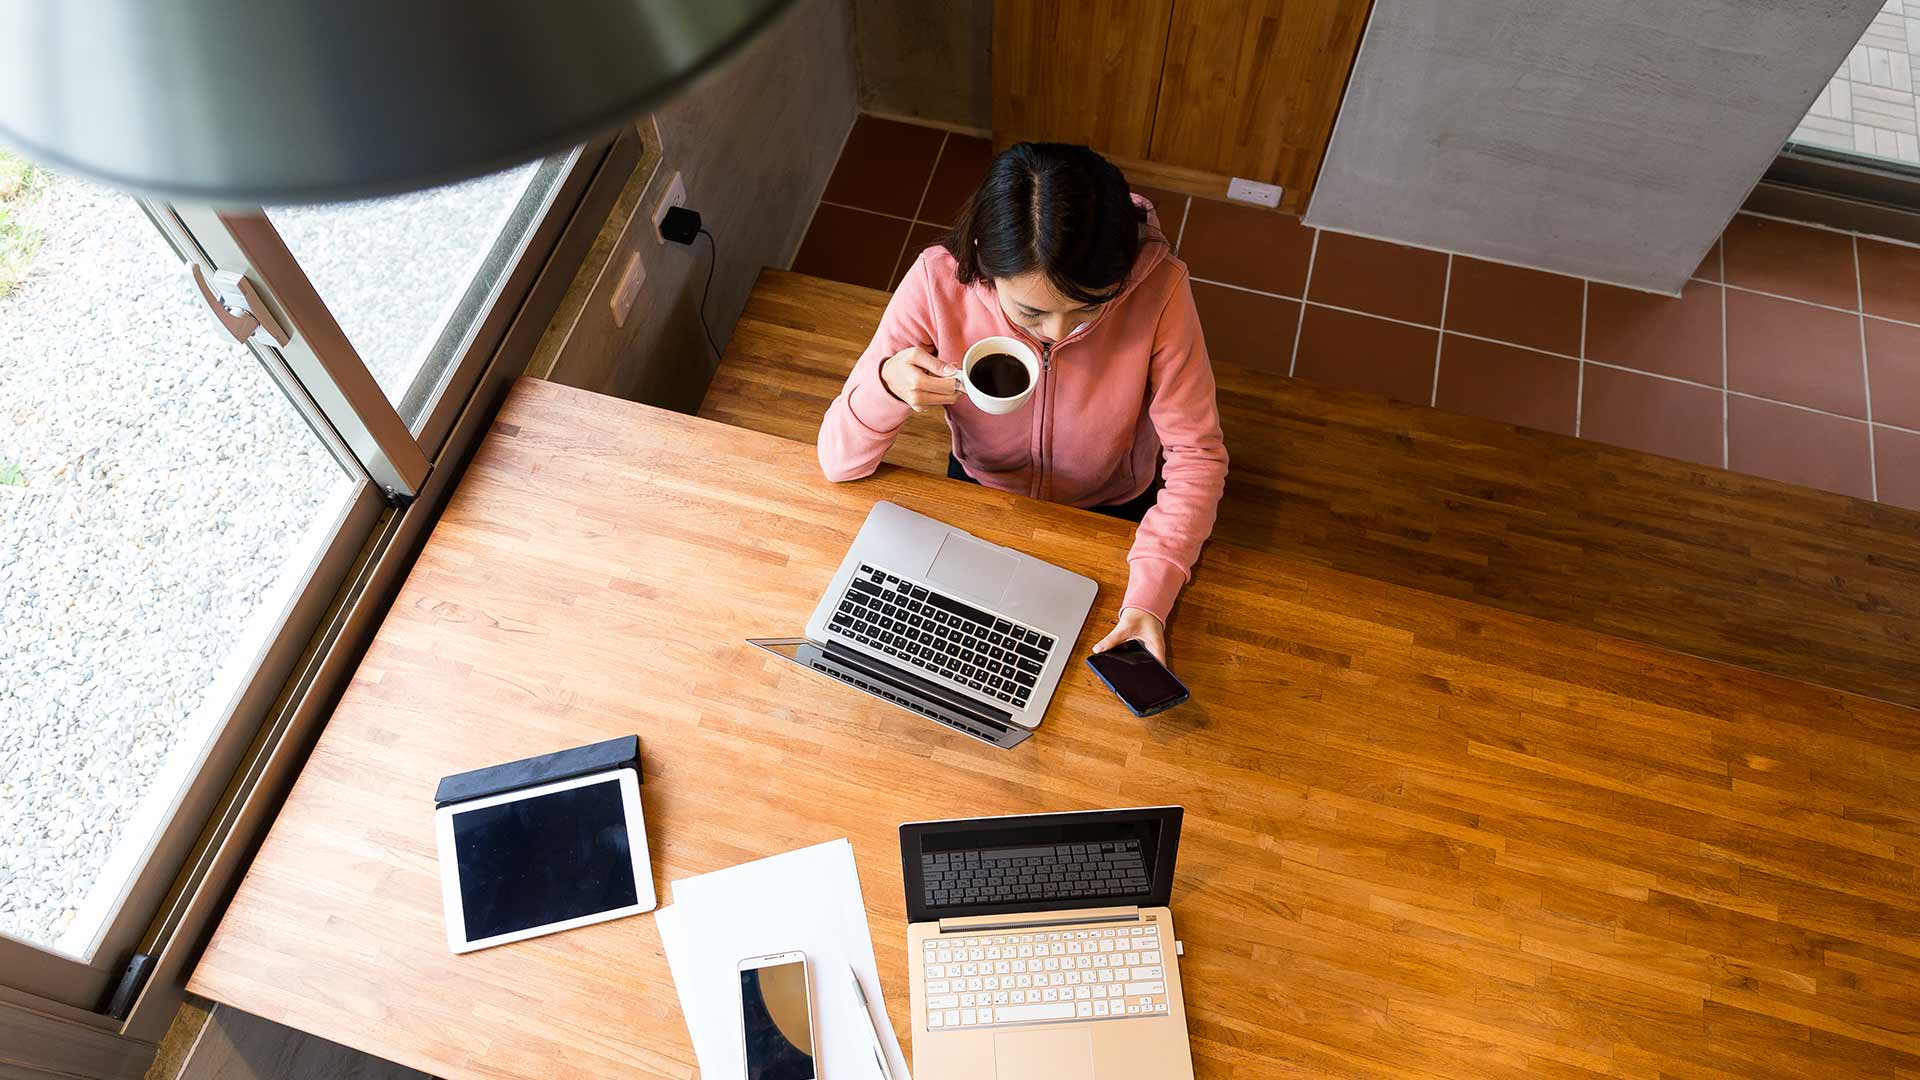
x=1046, y=414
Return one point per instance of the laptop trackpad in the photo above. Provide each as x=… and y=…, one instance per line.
x=1059, y=1054
x=971, y=568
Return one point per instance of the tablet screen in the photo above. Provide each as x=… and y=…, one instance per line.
x=543, y=860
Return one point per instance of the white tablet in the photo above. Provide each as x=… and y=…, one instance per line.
x=543, y=859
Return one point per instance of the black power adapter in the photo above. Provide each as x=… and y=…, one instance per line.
x=680, y=225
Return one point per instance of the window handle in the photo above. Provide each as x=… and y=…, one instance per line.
x=237, y=305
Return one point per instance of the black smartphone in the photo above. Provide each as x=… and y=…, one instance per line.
x=1138, y=679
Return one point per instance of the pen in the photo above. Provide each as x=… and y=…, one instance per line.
x=866, y=1010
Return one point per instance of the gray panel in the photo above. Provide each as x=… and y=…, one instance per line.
x=1610, y=139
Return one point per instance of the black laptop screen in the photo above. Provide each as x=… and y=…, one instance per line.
x=1045, y=862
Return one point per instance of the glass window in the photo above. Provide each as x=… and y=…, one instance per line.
x=1868, y=110
x=407, y=275
x=161, y=505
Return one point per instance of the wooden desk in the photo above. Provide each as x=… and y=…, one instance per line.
x=1423, y=837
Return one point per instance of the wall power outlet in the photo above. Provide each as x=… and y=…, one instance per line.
x=676, y=196
x=632, y=275
x=1255, y=192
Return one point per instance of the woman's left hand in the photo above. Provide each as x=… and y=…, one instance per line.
x=1137, y=623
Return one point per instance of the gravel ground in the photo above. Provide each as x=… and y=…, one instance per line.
x=164, y=483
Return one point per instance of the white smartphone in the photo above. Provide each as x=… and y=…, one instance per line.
x=776, y=1017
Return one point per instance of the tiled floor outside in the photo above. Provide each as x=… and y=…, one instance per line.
x=1794, y=353
x=1870, y=106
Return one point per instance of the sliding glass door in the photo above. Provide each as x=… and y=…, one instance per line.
x=204, y=417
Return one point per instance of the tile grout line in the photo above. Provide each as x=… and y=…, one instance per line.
x=931, y=173
x=1866, y=373
x=1727, y=412
x=1306, y=286
x=864, y=210
x=1632, y=371
x=1856, y=234
x=1247, y=289
x=1734, y=393
x=907, y=240
x=1586, y=293
x=1440, y=333
x=1815, y=304
x=1808, y=409
x=1580, y=385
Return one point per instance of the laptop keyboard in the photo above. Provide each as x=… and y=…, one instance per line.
x=941, y=636
x=986, y=980
x=1093, y=872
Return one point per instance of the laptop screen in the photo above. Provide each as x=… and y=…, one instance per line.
x=900, y=687
x=1042, y=862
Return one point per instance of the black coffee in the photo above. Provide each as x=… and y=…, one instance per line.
x=999, y=375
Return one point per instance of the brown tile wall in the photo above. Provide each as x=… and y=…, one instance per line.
x=1804, y=366
x=896, y=190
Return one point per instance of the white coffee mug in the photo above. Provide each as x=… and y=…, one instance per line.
x=986, y=347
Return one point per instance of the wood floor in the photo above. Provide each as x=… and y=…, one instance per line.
x=1816, y=587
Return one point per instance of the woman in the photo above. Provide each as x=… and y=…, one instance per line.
x=1055, y=251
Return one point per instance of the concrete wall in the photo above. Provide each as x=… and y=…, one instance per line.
x=928, y=60
x=755, y=142
x=1610, y=139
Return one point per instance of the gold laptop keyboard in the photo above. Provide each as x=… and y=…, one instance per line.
x=1023, y=978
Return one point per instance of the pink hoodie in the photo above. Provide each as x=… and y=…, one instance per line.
x=1111, y=395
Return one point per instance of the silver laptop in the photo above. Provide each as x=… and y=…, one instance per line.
x=945, y=625
x=1041, y=947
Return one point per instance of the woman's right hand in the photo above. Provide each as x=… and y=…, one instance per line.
x=921, y=379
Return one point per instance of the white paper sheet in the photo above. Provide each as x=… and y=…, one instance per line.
x=808, y=900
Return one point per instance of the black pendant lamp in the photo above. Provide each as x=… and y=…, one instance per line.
x=284, y=101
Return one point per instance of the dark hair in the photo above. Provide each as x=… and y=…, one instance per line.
x=1054, y=207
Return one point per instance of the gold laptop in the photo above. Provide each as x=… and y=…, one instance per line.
x=1040, y=947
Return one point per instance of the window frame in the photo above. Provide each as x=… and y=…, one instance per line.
x=1843, y=191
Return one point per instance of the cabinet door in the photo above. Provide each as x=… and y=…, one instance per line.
x=1251, y=87
x=1078, y=71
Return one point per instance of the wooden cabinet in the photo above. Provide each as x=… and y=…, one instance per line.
x=1079, y=71
x=1251, y=87
x=1185, y=93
